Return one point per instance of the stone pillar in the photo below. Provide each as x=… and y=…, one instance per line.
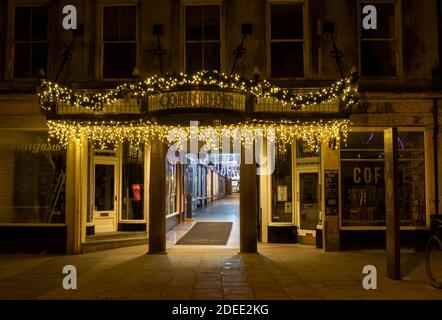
x=330, y=220
x=247, y=205
x=76, y=199
x=391, y=204
x=157, y=198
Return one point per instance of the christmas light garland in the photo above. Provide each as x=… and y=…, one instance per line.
x=49, y=92
x=108, y=134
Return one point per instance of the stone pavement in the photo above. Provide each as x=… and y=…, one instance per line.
x=278, y=272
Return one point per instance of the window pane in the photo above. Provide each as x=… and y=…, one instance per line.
x=39, y=58
x=119, y=60
x=171, y=186
x=22, y=54
x=385, y=23
x=32, y=178
x=111, y=23
x=128, y=25
x=22, y=23
x=287, y=22
x=378, y=58
x=194, y=23
x=363, y=193
x=303, y=150
x=282, y=186
x=362, y=181
x=133, y=182
x=39, y=23
x=308, y=200
x=194, y=57
x=365, y=140
x=287, y=59
x=211, y=56
x=411, y=178
x=211, y=22
x=104, y=187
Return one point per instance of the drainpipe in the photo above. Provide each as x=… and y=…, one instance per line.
x=435, y=109
x=436, y=161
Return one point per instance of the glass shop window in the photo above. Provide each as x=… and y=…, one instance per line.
x=282, y=186
x=119, y=41
x=362, y=179
x=194, y=181
x=202, y=38
x=171, y=188
x=30, y=41
x=133, y=182
x=411, y=155
x=378, y=47
x=287, y=40
x=33, y=178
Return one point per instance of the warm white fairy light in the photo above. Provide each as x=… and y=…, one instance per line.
x=112, y=133
x=51, y=93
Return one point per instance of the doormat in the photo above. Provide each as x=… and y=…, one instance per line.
x=207, y=233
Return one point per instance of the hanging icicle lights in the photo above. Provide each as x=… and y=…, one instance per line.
x=50, y=93
x=112, y=133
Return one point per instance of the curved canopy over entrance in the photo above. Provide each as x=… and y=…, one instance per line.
x=343, y=89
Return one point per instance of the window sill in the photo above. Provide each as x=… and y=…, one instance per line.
x=172, y=215
x=132, y=221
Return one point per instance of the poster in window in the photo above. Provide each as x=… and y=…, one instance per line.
x=331, y=192
x=282, y=193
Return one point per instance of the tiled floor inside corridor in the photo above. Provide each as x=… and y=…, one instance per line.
x=222, y=210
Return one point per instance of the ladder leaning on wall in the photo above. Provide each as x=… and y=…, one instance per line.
x=61, y=180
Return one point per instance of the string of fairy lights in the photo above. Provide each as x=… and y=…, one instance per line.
x=50, y=93
x=108, y=134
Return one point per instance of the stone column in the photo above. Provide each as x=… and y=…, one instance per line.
x=247, y=205
x=391, y=203
x=157, y=198
x=330, y=220
x=75, y=200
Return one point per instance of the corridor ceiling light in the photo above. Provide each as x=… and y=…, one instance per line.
x=111, y=133
x=50, y=93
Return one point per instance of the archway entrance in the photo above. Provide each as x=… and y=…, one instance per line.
x=211, y=202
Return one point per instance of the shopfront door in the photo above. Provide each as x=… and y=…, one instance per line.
x=307, y=200
x=105, y=196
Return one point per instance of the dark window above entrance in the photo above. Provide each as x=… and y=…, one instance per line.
x=202, y=38
x=119, y=41
x=287, y=40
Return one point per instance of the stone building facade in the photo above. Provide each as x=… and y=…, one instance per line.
x=47, y=192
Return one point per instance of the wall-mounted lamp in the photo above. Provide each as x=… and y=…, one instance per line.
x=240, y=50
x=329, y=28
x=158, y=30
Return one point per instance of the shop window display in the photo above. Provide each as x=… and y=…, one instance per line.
x=171, y=188
x=282, y=186
x=411, y=155
x=362, y=180
x=133, y=182
x=363, y=185
x=33, y=179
